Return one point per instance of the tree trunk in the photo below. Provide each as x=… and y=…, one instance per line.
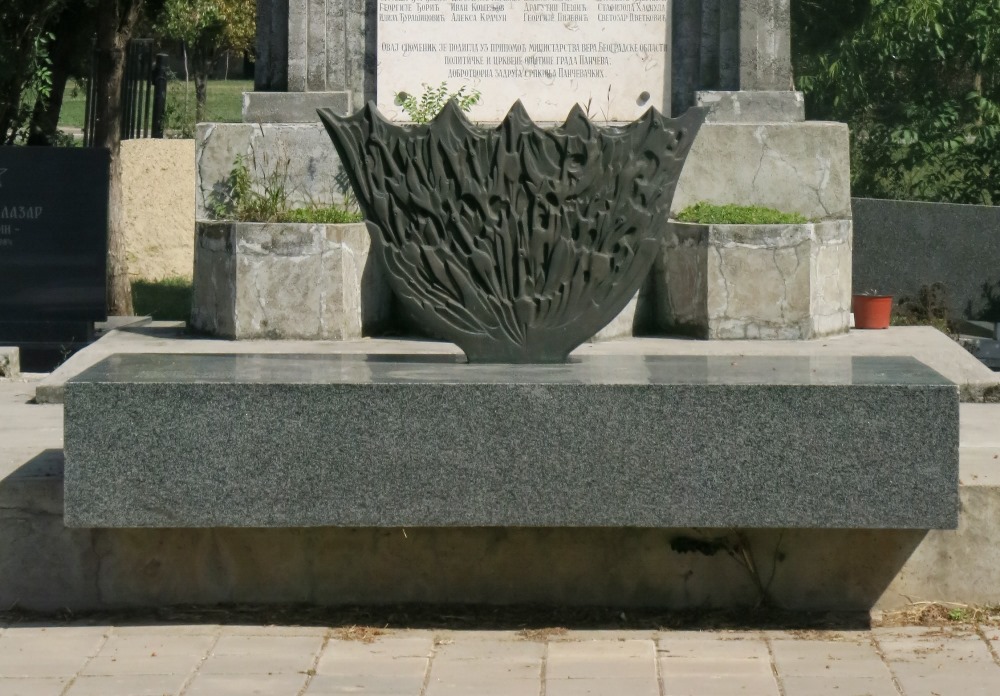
x=116, y=19
x=45, y=118
x=204, y=66
x=200, y=92
x=70, y=50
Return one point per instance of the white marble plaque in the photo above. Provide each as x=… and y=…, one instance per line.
x=610, y=57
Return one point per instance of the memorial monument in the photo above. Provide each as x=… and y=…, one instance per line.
x=319, y=457
x=615, y=60
x=631, y=439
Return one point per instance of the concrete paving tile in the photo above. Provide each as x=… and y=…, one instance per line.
x=150, y=654
x=320, y=631
x=821, y=658
x=393, y=656
x=932, y=651
x=810, y=636
x=147, y=630
x=752, y=649
x=249, y=685
x=469, y=669
x=128, y=685
x=940, y=661
x=248, y=654
x=47, y=652
x=838, y=686
x=367, y=684
x=601, y=687
x=483, y=685
x=489, y=650
x=710, y=666
x=708, y=685
x=922, y=633
x=681, y=636
x=601, y=660
x=482, y=662
x=715, y=664
x=32, y=687
x=578, y=636
x=474, y=636
x=954, y=683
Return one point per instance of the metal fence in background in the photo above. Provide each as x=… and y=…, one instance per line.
x=144, y=93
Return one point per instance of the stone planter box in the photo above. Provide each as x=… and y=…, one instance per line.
x=286, y=281
x=754, y=281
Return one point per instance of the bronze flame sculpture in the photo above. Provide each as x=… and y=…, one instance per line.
x=517, y=243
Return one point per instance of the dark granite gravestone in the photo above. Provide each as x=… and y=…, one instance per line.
x=53, y=242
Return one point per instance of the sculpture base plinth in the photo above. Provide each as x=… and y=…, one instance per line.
x=384, y=441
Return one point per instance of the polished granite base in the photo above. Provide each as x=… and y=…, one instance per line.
x=428, y=441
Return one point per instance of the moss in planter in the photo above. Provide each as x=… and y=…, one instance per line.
x=710, y=214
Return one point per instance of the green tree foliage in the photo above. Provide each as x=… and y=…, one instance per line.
x=208, y=28
x=25, y=75
x=919, y=84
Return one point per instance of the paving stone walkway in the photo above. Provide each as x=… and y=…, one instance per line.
x=288, y=661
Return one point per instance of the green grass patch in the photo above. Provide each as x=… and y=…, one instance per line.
x=164, y=300
x=225, y=104
x=334, y=215
x=710, y=214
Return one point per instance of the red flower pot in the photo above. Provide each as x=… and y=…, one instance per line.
x=871, y=311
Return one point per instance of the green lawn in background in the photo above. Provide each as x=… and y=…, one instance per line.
x=164, y=300
x=225, y=103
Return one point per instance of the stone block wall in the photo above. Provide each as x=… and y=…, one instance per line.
x=800, y=168
x=754, y=281
x=158, y=207
x=297, y=156
x=287, y=281
x=903, y=245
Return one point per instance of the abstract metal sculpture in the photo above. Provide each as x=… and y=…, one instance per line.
x=517, y=243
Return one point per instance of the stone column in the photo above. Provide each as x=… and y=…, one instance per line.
x=315, y=52
x=686, y=41
x=754, y=80
x=271, y=69
x=765, y=45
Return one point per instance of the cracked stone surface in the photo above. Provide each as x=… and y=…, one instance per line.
x=286, y=281
x=298, y=156
x=752, y=107
x=795, y=167
x=754, y=281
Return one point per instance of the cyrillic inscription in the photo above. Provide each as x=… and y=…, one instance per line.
x=611, y=57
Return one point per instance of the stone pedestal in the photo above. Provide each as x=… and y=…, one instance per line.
x=800, y=168
x=287, y=281
x=622, y=441
x=755, y=281
x=752, y=106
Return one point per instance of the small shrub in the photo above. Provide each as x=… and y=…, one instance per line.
x=242, y=201
x=710, y=214
x=928, y=308
x=425, y=107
